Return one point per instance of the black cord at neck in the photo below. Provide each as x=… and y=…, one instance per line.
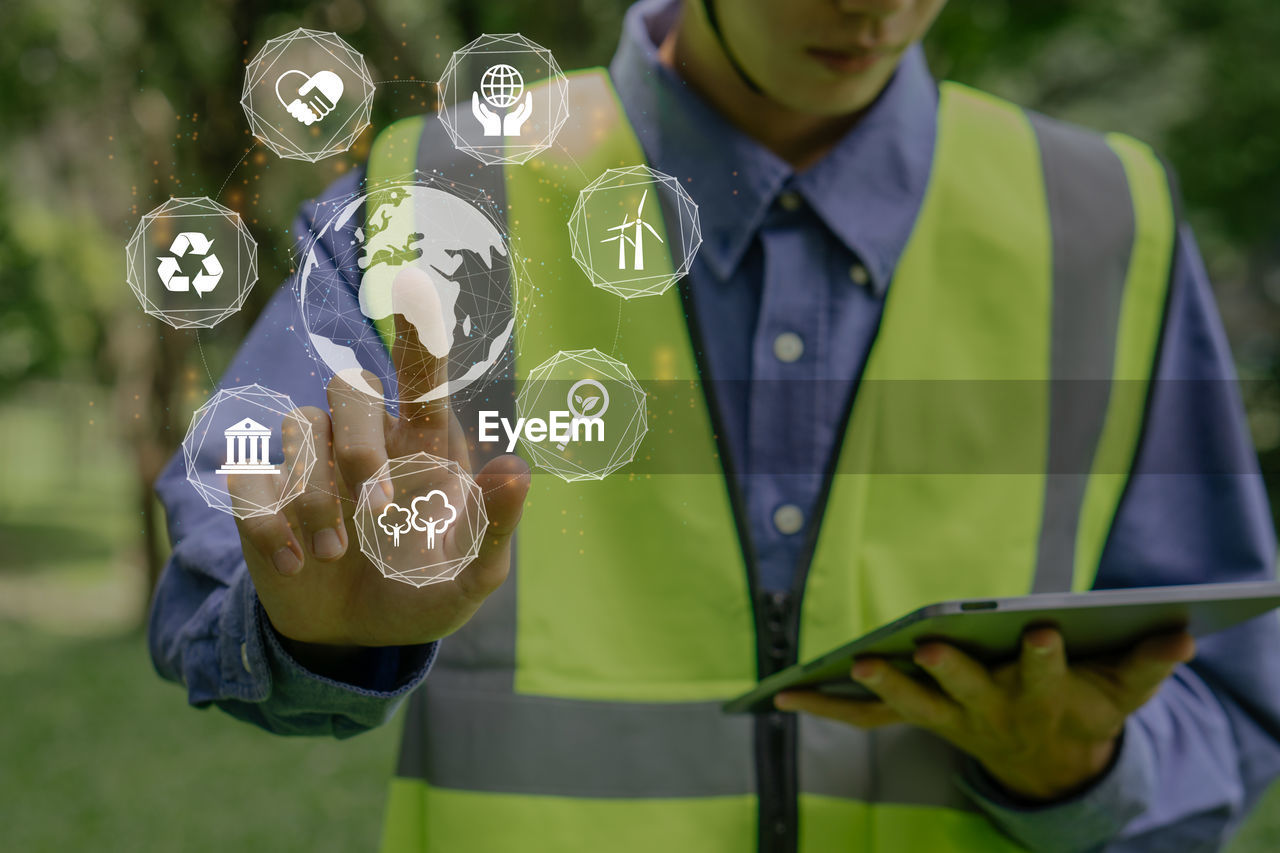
x=710, y=7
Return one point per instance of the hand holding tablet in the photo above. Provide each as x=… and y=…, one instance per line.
x=993, y=678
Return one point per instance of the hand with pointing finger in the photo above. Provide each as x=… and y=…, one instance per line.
x=323, y=596
x=1041, y=727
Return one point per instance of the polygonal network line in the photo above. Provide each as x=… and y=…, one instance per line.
x=411, y=265
x=182, y=231
x=226, y=440
x=621, y=231
x=307, y=95
x=556, y=385
x=483, y=91
x=432, y=525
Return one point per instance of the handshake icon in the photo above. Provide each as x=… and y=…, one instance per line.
x=315, y=97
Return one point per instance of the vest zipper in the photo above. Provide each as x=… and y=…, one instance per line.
x=777, y=629
x=776, y=731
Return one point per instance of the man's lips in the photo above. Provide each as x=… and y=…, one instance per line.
x=846, y=61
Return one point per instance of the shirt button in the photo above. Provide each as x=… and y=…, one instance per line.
x=788, y=347
x=789, y=519
x=859, y=275
x=790, y=200
x=244, y=658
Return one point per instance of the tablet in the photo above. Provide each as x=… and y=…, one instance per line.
x=1092, y=624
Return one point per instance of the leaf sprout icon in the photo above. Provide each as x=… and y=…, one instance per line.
x=430, y=513
x=582, y=403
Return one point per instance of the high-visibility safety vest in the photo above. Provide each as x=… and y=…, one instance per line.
x=984, y=454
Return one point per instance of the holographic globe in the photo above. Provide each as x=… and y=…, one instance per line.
x=502, y=85
x=413, y=267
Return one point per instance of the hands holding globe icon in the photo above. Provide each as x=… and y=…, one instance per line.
x=502, y=86
x=502, y=99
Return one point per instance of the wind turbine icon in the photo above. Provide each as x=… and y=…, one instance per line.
x=636, y=241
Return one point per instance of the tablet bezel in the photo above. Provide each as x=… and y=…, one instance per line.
x=1093, y=623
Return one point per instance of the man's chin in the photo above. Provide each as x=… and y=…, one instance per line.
x=811, y=87
x=826, y=99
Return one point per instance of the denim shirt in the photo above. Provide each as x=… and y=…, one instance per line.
x=794, y=268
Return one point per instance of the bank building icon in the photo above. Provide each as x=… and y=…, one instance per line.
x=248, y=449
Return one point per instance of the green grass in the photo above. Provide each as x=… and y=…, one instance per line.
x=1261, y=833
x=97, y=753
x=100, y=754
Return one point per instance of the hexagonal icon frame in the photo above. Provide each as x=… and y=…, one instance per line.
x=505, y=48
x=146, y=278
x=272, y=405
x=548, y=456
x=644, y=278
x=334, y=328
x=381, y=520
x=261, y=83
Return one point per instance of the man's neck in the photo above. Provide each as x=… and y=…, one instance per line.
x=801, y=139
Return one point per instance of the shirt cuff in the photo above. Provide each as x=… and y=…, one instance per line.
x=1084, y=822
x=312, y=701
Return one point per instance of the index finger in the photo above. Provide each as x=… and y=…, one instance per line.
x=420, y=353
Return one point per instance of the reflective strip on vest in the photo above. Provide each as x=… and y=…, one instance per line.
x=1088, y=206
x=579, y=708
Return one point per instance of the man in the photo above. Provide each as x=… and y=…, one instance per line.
x=877, y=260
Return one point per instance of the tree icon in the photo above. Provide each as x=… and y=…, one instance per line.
x=395, y=520
x=433, y=514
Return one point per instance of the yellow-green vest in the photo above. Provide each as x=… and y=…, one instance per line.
x=986, y=450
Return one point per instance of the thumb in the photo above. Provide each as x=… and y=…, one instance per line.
x=505, y=483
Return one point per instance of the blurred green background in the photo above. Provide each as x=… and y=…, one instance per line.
x=108, y=108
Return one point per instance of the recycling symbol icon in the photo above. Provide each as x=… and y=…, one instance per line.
x=170, y=269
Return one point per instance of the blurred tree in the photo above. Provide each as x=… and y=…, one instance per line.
x=28, y=333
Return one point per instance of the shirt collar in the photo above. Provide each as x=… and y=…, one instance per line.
x=867, y=190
